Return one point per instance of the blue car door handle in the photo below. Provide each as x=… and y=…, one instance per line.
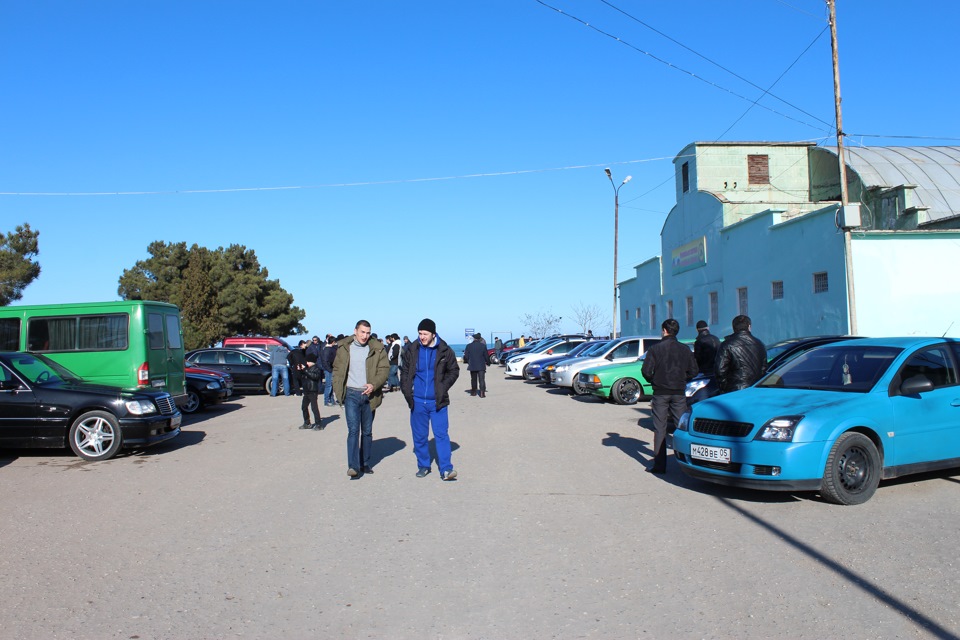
x=955, y=403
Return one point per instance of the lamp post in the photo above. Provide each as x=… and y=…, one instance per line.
x=616, y=229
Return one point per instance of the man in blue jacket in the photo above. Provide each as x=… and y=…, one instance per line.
x=430, y=369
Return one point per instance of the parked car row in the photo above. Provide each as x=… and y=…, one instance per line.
x=832, y=414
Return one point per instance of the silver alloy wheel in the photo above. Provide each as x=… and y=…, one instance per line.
x=627, y=391
x=193, y=402
x=95, y=436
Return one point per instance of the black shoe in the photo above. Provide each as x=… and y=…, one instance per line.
x=368, y=470
x=306, y=425
x=655, y=470
x=483, y=394
x=423, y=472
x=473, y=393
x=318, y=427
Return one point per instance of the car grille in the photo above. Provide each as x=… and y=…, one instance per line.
x=166, y=405
x=733, y=467
x=722, y=428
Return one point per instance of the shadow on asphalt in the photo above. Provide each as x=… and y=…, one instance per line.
x=208, y=413
x=185, y=439
x=383, y=448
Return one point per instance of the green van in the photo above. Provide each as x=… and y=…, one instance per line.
x=133, y=344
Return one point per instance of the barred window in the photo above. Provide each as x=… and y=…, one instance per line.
x=820, y=283
x=653, y=316
x=776, y=289
x=689, y=311
x=669, y=308
x=742, y=301
x=685, y=176
x=714, y=307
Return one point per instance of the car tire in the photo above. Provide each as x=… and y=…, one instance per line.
x=95, y=435
x=193, y=403
x=526, y=373
x=853, y=470
x=576, y=388
x=269, y=381
x=626, y=391
x=494, y=359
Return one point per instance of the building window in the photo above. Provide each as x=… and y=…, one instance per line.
x=637, y=316
x=653, y=316
x=669, y=308
x=820, y=283
x=626, y=316
x=758, y=169
x=742, y=301
x=685, y=176
x=776, y=289
x=714, y=307
x=689, y=311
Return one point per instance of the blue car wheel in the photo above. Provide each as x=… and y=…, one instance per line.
x=853, y=470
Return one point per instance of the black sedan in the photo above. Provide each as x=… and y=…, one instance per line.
x=249, y=372
x=203, y=390
x=44, y=405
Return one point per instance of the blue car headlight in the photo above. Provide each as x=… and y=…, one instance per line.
x=779, y=429
x=213, y=385
x=684, y=422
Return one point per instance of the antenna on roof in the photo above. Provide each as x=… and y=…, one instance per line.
x=948, y=329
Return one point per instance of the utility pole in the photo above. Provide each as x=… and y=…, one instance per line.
x=844, y=199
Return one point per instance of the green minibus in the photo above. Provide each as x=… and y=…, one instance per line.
x=133, y=344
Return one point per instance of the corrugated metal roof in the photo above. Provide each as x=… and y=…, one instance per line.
x=934, y=170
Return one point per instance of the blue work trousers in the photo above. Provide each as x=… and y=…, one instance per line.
x=424, y=416
x=359, y=429
x=328, y=388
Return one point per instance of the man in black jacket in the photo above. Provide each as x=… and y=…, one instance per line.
x=327, y=355
x=475, y=357
x=705, y=348
x=430, y=368
x=741, y=359
x=667, y=366
x=297, y=361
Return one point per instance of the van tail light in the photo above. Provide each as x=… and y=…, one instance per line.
x=143, y=375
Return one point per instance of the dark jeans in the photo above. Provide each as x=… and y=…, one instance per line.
x=480, y=376
x=393, y=380
x=310, y=400
x=662, y=407
x=359, y=416
x=296, y=381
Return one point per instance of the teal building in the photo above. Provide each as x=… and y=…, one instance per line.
x=756, y=230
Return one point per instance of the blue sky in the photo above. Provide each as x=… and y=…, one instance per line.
x=391, y=161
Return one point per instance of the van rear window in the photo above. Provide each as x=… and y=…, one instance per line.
x=9, y=334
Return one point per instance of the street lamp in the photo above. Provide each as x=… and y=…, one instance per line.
x=616, y=227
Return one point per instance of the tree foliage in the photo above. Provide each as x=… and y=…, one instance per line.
x=541, y=324
x=220, y=292
x=17, y=267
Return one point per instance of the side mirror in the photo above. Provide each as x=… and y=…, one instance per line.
x=549, y=352
x=916, y=385
x=609, y=357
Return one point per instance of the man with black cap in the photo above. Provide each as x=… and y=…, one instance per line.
x=430, y=369
x=475, y=357
x=705, y=348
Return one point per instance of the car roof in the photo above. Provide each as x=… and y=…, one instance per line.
x=902, y=342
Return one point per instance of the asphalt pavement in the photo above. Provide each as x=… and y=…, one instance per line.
x=247, y=527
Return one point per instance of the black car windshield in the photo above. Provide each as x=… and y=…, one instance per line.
x=39, y=370
x=851, y=368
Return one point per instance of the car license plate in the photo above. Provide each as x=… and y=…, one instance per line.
x=175, y=421
x=713, y=454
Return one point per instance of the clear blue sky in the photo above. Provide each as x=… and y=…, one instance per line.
x=444, y=158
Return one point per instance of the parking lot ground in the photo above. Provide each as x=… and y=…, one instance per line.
x=247, y=527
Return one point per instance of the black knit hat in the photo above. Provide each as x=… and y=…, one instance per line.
x=427, y=325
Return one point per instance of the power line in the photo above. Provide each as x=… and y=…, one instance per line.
x=673, y=66
x=720, y=66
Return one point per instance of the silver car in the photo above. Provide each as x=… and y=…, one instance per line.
x=625, y=349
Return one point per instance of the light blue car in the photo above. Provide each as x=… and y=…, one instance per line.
x=837, y=419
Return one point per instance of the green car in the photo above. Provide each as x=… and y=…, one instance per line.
x=620, y=382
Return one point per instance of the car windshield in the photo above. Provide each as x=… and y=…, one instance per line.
x=41, y=371
x=595, y=348
x=544, y=345
x=851, y=368
x=580, y=349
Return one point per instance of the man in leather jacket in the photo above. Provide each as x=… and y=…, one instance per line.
x=741, y=359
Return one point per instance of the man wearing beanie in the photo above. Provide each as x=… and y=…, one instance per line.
x=359, y=373
x=430, y=369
